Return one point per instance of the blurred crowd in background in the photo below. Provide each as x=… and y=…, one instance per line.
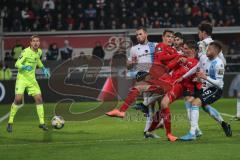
x=47, y=15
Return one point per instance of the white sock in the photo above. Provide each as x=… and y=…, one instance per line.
x=145, y=97
x=151, y=99
x=238, y=107
x=188, y=106
x=194, y=119
x=149, y=118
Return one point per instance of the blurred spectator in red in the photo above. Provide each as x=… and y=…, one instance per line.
x=195, y=9
x=70, y=22
x=27, y=18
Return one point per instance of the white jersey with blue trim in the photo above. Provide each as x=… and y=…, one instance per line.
x=143, y=54
x=202, y=46
x=214, y=70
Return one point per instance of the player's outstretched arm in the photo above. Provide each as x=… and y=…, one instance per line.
x=191, y=71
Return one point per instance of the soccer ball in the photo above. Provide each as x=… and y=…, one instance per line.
x=57, y=122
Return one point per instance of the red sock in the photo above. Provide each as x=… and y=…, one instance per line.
x=167, y=119
x=155, y=121
x=132, y=95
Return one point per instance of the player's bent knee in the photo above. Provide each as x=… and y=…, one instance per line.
x=38, y=99
x=18, y=100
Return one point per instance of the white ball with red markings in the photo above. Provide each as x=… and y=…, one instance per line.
x=57, y=122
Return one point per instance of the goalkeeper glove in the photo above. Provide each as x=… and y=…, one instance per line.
x=27, y=68
x=46, y=72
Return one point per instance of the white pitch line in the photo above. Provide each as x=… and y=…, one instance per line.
x=7, y=115
x=4, y=117
x=227, y=115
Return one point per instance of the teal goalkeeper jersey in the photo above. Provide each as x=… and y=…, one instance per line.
x=31, y=58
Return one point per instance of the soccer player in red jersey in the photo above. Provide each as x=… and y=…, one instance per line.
x=163, y=54
x=180, y=66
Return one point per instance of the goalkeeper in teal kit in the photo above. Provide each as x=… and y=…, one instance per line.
x=26, y=80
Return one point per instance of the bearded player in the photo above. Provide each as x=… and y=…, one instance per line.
x=204, y=33
x=211, y=73
x=163, y=54
x=26, y=80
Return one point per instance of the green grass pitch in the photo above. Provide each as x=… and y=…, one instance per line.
x=112, y=138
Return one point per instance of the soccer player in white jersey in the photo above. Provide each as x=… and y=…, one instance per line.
x=141, y=59
x=211, y=73
x=204, y=34
x=139, y=62
x=141, y=55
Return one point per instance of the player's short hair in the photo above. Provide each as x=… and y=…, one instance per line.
x=141, y=28
x=207, y=27
x=34, y=36
x=191, y=44
x=179, y=35
x=167, y=31
x=216, y=45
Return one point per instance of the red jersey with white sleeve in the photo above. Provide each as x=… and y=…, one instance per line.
x=179, y=68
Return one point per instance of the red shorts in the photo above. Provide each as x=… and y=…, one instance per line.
x=175, y=93
x=164, y=85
